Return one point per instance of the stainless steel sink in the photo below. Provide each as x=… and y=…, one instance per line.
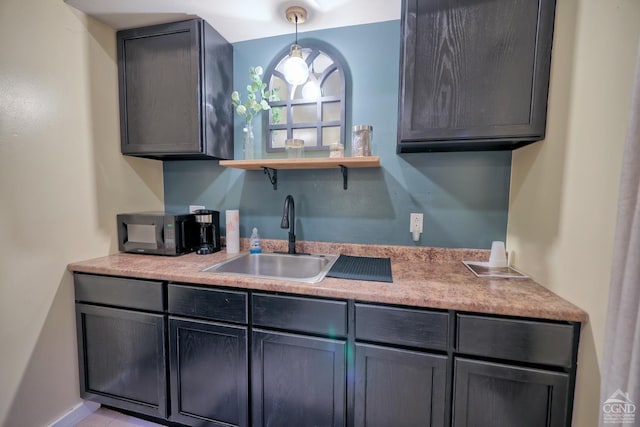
x=298, y=268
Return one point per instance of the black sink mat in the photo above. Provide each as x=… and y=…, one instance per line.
x=362, y=268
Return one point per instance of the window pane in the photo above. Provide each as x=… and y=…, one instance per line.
x=297, y=91
x=278, y=137
x=321, y=63
x=305, y=113
x=311, y=90
x=281, y=86
x=278, y=115
x=330, y=111
x=308, y=135
x=330, y=134
x=332, y=85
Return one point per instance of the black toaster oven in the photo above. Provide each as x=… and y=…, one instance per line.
x=158, y=233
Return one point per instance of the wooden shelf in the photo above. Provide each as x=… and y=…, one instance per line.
x=271, y=166
x=305, y=163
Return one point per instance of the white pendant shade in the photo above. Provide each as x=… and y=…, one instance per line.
x=311, y=90
x=295, y=69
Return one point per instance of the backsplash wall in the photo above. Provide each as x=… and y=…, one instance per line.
x=464, y=196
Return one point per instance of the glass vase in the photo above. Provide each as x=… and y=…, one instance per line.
x=249, y=143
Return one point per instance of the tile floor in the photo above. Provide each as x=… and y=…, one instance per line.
x=107, y=418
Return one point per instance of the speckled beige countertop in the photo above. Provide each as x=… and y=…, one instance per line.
x=422, y=277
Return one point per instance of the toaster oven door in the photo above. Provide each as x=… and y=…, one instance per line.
x=141, y=234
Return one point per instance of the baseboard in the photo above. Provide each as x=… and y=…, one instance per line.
x=78, y=413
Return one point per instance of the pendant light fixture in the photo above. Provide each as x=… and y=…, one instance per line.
x=295, y=68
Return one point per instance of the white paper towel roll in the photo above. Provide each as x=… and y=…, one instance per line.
x=233, y=231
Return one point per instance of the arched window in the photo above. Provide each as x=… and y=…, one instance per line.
x=314, y=111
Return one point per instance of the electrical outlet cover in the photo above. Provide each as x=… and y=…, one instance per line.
x=415, y=222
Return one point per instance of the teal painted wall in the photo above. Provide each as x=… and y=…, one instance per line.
x=464, y=196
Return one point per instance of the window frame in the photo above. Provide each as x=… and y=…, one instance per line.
x=316, y=48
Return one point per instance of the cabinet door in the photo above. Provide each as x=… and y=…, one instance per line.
x=474, y=74
x=121, y=357
x=399, y=387
x=297, y=380
x=159, y=81
x=496, y=395
x=209, y=373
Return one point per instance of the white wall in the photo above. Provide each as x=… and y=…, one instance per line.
x=564, y=189
x=62, y=180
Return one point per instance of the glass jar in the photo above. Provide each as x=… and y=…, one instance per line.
x=361, y=140
x=336, y=150
x=294, y=148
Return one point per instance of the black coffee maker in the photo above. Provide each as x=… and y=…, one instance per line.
x=209, y=231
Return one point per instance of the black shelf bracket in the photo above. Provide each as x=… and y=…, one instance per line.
x=345, y=175
x=273, y=176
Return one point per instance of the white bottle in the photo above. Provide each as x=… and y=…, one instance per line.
x=254, y=242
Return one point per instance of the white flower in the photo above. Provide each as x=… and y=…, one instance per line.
x=258, y=96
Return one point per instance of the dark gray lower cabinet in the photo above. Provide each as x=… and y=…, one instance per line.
x=208, y=373
x=396, y=387
x=498, y=395
x=298, y=380
x=122, y=358
x=180, y=353
x=514, y=372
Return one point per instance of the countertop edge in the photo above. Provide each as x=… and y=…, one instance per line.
x=454, y=289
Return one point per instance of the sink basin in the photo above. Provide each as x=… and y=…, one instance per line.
x=298, y=268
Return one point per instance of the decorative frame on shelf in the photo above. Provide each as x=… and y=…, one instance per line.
x=318, y=120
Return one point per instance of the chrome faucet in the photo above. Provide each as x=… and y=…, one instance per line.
x=289, y=221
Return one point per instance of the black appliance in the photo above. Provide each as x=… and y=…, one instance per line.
x=158, y=233
x=209, y=236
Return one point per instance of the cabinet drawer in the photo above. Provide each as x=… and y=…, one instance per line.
x=402, y=326
x=121, y=292
x=518, y=340
x=315, y=316
x=208, y=303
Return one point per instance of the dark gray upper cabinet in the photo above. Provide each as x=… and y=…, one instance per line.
x=474, y=74
x=175, y=84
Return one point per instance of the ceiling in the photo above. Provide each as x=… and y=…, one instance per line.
x=239, y=20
